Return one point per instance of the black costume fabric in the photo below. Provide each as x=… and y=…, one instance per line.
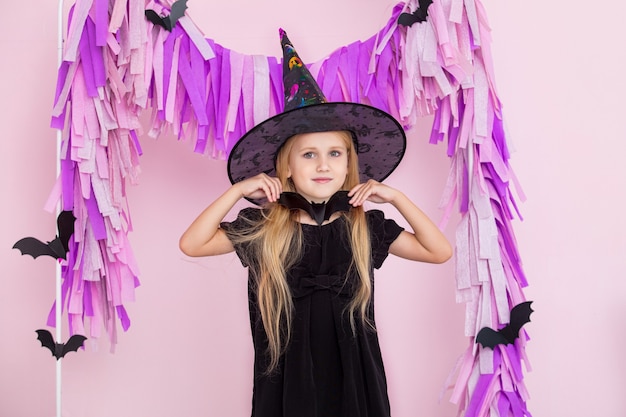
x=326, y=371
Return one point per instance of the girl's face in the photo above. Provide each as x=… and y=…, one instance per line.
x=318, y=164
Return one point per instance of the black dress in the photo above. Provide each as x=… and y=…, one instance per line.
x=327, y=370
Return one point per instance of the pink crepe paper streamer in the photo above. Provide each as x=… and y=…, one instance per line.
x=202, y=91
x=490, y=277
x=100, y=154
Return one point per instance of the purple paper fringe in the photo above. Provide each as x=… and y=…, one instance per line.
x=212, y=95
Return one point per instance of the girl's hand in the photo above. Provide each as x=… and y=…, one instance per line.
x=260, y=186
x=426, y=243
x=373, y=191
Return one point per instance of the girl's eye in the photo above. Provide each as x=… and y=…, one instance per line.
x=309, y=155
x=335, y=153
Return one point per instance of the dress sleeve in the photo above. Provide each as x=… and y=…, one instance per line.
x=382, y=234
x=246, y=221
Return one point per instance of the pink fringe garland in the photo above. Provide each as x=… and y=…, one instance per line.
x=119, y=64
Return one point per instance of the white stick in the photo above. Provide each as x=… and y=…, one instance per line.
x=58, y=309
x=470, y=168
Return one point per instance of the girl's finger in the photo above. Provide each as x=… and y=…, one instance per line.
x=270, y=190
x=360, y=196
x=274, y=187
x=277, y=187
x=355, y=190
x=359, y=192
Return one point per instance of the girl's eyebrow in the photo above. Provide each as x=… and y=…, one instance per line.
x=315, y=148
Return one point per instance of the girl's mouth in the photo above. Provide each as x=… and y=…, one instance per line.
x=322, y=180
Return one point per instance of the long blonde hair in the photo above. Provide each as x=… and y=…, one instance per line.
x=276, y=245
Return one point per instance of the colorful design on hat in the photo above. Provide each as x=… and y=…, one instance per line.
x=301, y=89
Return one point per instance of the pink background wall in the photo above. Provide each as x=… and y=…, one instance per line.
x=560, y=71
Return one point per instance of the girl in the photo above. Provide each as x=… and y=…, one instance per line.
x=311, y=249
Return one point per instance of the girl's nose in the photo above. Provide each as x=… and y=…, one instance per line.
x=322, y=164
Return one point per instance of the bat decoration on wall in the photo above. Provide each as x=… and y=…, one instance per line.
x=60, y=349
x=419, y=15
x=58, y=247
x=318, y=211
x=520, y=315
x=167, y=22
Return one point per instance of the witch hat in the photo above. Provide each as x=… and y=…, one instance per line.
x=379, y=139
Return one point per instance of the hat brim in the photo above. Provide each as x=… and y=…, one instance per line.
x=380, y=139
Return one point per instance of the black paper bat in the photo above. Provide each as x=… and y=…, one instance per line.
x=419, y=15
x=167, y=22
x=520, y=315
x=60, y=349
x=318, y=211
x=58, y=247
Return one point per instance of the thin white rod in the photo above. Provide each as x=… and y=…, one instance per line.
x=470, y=169
x=58, y=310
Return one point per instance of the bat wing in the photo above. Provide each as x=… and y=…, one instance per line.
x=419, y=15
x=422, y=12
x=34, y=247
x=520, y=315
x=154, y=17
x=73, y=344
x=177, y=11
x=407, y=19
x=65, y=226
x=295, y=201
x=46, y=339
x=338, y=202
x=424, y=4
x=488, y=337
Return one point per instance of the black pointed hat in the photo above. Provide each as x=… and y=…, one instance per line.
x=379, y=139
